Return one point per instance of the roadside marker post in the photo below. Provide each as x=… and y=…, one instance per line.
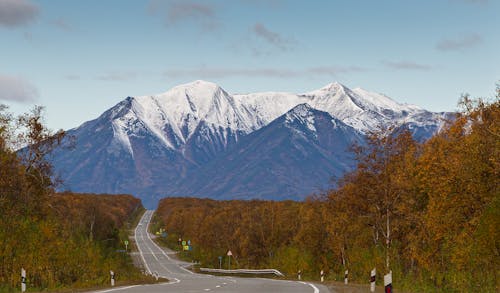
x=299, y=275
x=126, y=245
x=112, y=278
x=23, y=280
x=388, y=282
x=220, y=262
x=346, y=277
x=373, y=277
x=322, y=275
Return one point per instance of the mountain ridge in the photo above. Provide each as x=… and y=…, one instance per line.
x=164, y=145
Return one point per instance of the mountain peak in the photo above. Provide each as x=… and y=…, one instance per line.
x=197, y=87
x=333, y=86
x=302, y=114
x=301, y=110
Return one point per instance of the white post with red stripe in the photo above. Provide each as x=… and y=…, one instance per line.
x=373, y=277
x=388, y=282
x=23, y=280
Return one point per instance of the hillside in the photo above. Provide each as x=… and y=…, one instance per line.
x=170, y=144
x=429, y=212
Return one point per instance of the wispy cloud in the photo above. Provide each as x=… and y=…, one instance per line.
x=461, y=43
x=72, y=77
x=176, y=12
x=272, y=38
x=473, y=1
x=117, y=76
x=335, y=70
x=17, y=89
x=15, y=13
x=207, y=73
x=62, y=24
x=406, y=65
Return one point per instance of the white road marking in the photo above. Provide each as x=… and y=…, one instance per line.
x=140, y=250
x=162, y=251
x=117, y=289
x=218, y=286
x=316, y=290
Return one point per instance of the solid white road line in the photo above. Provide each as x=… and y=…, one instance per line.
x=162, y=251
x=139, y=247
x=117, y=289
x=316, y=290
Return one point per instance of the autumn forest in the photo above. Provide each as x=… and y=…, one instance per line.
x=429, y=212
x=62, y=240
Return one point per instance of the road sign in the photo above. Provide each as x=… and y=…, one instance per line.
x=189, y=242
x=229, y=253
x=220, y=262
x=184, y=243
x=126, y=244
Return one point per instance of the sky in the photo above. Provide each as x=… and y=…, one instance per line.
x=80, y=58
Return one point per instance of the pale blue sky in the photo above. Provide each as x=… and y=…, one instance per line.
x=79, y=58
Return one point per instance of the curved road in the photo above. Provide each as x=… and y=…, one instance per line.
x=157, y=261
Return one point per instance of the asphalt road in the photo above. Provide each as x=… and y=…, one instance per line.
x=158, y=261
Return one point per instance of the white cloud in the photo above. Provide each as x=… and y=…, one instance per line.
x=186, y=11
x=208, y=73
x=407, y=65
x=17, y=89
x=461, y=43
x=62, y=24
x=118, y=76
x=15, y=13
x=272, y=38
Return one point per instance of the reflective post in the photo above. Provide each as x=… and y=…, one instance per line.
x=23, y=280
x=373, y=276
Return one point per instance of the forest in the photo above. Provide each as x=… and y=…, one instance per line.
x=64, y=241
x=429, y=212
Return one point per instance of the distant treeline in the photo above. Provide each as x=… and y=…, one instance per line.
x=62, y=240
x=430, y=212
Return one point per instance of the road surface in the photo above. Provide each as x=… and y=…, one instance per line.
x=158, y=261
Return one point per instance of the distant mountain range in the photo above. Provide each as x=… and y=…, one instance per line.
x=198, y=140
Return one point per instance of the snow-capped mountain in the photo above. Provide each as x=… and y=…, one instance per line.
x=175, y=142
x=294, y=155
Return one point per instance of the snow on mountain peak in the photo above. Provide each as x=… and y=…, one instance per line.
x=174, y=116
x=333, y=86
x=383, y=102
x=303, y=114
